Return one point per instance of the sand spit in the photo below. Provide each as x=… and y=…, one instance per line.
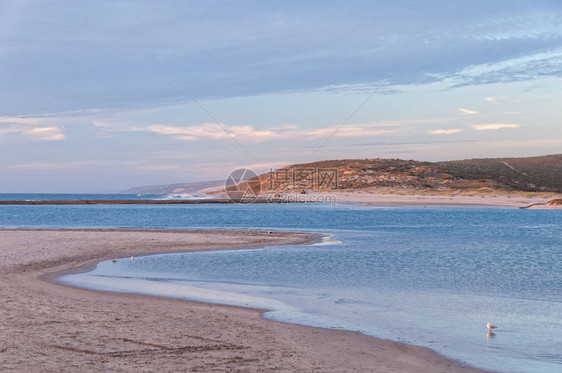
x=50, y=327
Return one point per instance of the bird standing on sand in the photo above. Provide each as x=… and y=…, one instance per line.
x=490, y=326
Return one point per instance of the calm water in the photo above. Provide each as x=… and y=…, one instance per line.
x=428, y=276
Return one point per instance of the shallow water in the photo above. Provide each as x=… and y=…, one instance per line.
x=428, y=276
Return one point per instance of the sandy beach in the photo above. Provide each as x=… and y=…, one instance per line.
x=514, y=200
x=46, y=326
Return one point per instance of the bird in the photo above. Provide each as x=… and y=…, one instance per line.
x=490, y=326
x=132, y=257
x=114, y=260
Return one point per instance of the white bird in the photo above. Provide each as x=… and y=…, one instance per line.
x=114, y=260
x=490, y=326
x=132, y=257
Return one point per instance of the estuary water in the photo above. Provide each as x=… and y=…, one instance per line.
x=428, y=276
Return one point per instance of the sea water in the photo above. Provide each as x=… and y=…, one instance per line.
x=428, y=276
x=82, y=197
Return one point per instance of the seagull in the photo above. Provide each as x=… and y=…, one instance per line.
x=114, y=260
x=490, y=326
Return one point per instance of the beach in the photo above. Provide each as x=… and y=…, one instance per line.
x=47, y=326
x=421, y=198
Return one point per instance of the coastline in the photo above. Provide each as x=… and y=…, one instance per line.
x=381, y=198
x=63, y=328
x=512, y=200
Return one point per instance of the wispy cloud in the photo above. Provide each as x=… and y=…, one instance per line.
x=466, y=111
x=249, y=133
x=20, y=119
x=362, y=130
x=100, y=124
x=189, y=133
x=50, y=166
x=495, y=99
x=494, y=126
x=531, y=66
x=445, y=131
x=34, y=127
x=37, y=133
x=45, y=133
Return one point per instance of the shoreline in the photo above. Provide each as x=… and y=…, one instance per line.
x=419, y=199
x=59, y=327
x=381, y=198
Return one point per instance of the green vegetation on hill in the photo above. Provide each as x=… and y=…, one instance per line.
x=528, y=174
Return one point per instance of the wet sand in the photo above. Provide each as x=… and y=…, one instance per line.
x=46, y=326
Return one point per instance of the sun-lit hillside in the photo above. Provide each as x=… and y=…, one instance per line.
x=535, y=174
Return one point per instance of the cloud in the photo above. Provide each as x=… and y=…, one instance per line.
x=38, y=133
x=100, y=124
x=495, y=99
x=446, y=131
x=287, y=132
x=528, y=67
x=34, y=127
x=212, y=131
x=361, y=130
x=494, y=126
x=46, y=166
x=39, y=166
x=280, y=47
x=31, y=121
x=45, y=133
x=466, y=111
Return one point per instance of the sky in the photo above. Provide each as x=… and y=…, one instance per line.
x=102, y=96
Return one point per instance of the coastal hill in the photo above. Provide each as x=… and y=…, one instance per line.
x=532, y=174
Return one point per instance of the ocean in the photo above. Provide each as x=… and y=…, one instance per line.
x=430, y=276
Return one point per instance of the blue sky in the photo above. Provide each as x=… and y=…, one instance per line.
x=84, y=108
